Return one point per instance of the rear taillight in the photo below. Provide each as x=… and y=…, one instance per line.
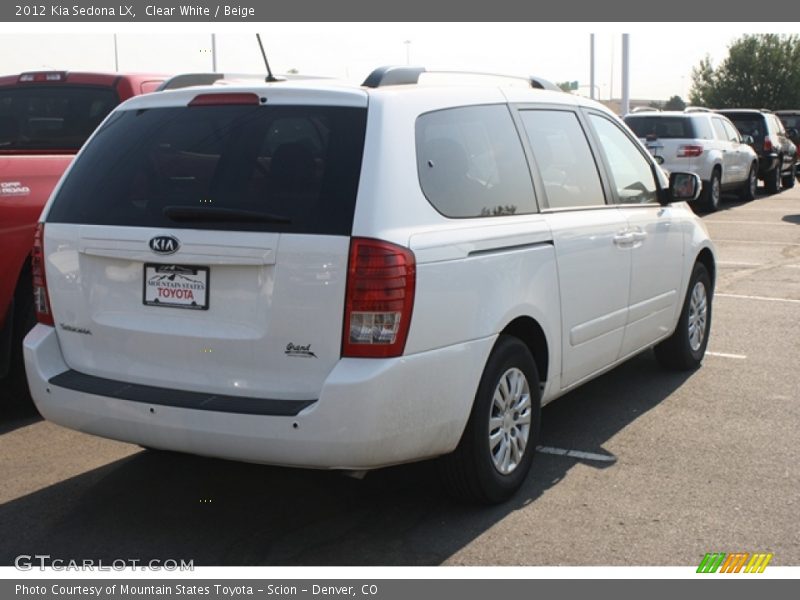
x=380, y=297
x=767, y=145
x=41, y=300
x=689, y=150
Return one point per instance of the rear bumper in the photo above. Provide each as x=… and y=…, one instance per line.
x=370, y=413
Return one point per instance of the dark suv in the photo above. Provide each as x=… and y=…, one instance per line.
x=791, y=121
x=777, y=154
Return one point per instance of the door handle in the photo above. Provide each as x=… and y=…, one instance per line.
x=624, y=238
x=639, y=236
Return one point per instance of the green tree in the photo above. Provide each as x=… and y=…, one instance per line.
x=675, y=103
x=760, y=71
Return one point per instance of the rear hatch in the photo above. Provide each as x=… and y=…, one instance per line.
x=752, y=124
x=672, y=138
x=205, y=247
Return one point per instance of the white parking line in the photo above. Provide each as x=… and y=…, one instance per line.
x=716, y=241
x=767, y=298
x=726, y=355
x=575, y=454
x=739, y=264
x=750, y=222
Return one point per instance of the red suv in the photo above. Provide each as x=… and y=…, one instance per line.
x=45, y=117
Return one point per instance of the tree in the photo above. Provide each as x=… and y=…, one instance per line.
x=675, y=103
x=760, y=71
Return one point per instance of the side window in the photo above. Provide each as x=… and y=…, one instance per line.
x=702, y=129
x=563, y=157
x=632, y=173
x=471, y=163
x=731, y=133
x=719, y=129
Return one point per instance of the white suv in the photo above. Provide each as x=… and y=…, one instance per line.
x=702, y=142
x=348, y=277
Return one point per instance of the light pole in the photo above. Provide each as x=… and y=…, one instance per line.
x=116, y=55
x=213, y=52
x=591, y=66
x=408, y=51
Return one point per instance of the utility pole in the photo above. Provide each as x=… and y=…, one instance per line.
x=626, y=82
x=591, y=66
x=116, y=55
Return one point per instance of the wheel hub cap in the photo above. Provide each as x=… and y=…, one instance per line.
x=698, y=313
x=509, y=421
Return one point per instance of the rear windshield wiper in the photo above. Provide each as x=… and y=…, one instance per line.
x=217, y=214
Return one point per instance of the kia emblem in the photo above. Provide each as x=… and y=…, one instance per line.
x=164, y=244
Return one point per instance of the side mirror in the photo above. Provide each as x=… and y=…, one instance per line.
x=748, y=139
x=791, y=132
x=682, y=187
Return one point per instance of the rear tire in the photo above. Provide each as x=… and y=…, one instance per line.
x=497, y=446
x=772, y=180
x=748, y=191
x=712, y=189
x=685, y=348
x=789, y=178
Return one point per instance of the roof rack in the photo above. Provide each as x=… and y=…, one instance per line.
x=641, y=109
x=398, y=75
x=691, y=109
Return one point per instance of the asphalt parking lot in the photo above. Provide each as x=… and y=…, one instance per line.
x=665, y=467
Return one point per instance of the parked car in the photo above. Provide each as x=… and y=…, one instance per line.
x=702, y=142
x=777, y=155
x=322, y=275
x=45, y=117
x=791, y=122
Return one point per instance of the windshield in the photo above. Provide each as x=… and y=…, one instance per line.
x=55, y=117
x=259, y=168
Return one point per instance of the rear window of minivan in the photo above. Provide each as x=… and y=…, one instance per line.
x=234, y=167
x=661, y=127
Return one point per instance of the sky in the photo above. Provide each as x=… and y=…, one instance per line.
x=661, y=54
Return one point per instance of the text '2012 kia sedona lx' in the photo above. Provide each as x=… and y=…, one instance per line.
x=348, y=277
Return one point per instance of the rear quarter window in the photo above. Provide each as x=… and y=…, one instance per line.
x=471, y=163
x=661, y=127
x=298, y=164
x=55, y=117
x=747, y=124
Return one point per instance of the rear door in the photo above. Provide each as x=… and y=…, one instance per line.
x=205, y=247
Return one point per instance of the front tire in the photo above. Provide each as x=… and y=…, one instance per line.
x=712, y=192
x=497, y=446
x=748, y=191
x=685, y=348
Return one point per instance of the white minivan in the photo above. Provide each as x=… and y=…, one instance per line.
x=332, y=276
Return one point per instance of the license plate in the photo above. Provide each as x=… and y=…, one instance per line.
x=654, y=148
x=176, y=286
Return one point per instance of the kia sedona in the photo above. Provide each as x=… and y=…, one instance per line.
x=332, y=276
